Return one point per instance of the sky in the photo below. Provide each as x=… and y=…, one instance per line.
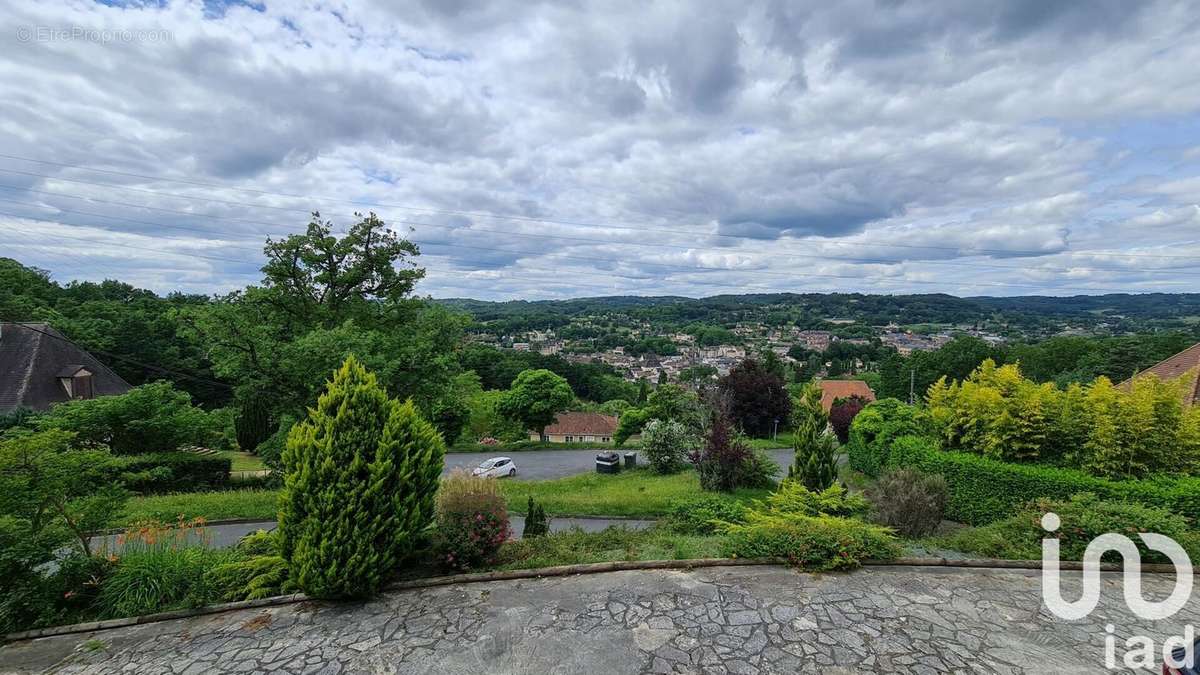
x=546, y=150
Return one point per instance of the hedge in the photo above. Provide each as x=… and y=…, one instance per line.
x=173, y=472
x=874, y=430
x=985, y=490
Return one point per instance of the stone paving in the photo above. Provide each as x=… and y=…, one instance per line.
x=710, y=620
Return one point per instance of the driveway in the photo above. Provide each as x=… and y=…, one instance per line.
x=713, y=620
x=543, y=464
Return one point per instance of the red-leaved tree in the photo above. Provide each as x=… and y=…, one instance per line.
x=842, y=414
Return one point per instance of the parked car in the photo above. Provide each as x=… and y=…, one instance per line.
x=1179, y=654
x=496, y=467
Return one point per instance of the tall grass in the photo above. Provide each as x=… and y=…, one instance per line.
x=160, y=568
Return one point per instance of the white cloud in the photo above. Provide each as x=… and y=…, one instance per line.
x=666, y=148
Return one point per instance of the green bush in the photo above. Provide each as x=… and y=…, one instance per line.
x=259, y=542
x=874, y=429
x=472, y=521
x=160, y=473
x=665, y=444
x=536, y=524
x=793, y=497
x=253, y=578
x=809, y=542
x=810, y=529
x=910, y=502
x=360, y=475
x=151, y=418
x=1084, y=517
x=985, y=490
x=758, y=470
x=700, y=515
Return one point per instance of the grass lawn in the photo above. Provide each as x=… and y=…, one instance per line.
x=209, y=505
x=244, y=461
x=638, y=493
x=615, y=543
x=781, y=441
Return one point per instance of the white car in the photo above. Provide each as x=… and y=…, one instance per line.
x=496, y=467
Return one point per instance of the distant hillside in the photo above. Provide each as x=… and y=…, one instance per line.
x=1116, y=312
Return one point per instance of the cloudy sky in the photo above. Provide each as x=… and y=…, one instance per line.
x=558, y=149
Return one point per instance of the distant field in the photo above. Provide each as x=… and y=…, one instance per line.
x=780, y=441
x=244, y=461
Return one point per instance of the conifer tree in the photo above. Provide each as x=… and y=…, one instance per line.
x=360, y=476
x=815, y=463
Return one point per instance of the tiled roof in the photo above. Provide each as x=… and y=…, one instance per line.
x=576, y=423
x=831, y=390
x=32, y=358
x=1185, y=364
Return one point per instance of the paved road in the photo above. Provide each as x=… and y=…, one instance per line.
x=543, y=464
x=224, y=536
x=714, y=620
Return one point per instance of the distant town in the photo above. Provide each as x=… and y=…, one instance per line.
x=786, y=342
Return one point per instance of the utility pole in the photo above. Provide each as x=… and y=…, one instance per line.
x=912, y=377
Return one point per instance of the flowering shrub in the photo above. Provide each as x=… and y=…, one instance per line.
x=472, y=521
x=666, y=444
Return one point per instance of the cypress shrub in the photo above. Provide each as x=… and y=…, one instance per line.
x=536, y=524
x=815, y=455
x=360, y=476
x=253, y=424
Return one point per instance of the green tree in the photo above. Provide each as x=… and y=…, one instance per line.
x=814, y=448
x=668, y=402
x=360, y=476
x=154, y=417
x=666, y=444
x=49, y=486
x=316, y=278
x=536, y=398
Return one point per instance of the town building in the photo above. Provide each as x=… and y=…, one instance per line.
x=40, y=367
x=578, y=427
x=1183, y=367
x=832, y=390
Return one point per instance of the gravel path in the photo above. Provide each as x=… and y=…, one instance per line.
x=902, y=620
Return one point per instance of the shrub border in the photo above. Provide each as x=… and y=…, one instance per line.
x=557, y=571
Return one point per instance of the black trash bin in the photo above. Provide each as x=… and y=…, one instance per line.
x=608, y=462
x=630, y=460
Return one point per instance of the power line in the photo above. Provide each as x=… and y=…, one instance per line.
x=475, y=214
x=875, y=261
x=682, y=268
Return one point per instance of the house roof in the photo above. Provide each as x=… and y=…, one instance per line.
x=1185, y=364
x=832, y=390
x=576, y=423
x=32, y=358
